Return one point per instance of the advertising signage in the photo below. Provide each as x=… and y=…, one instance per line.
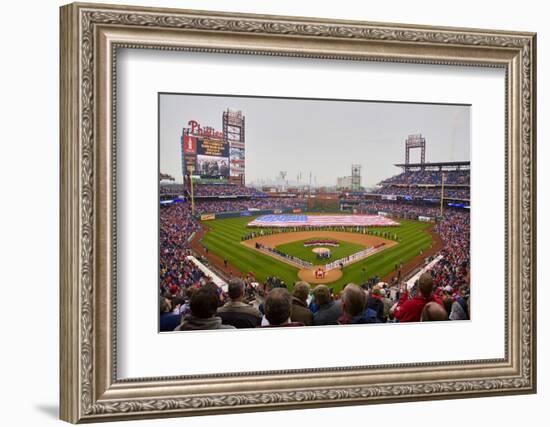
x=213, y=154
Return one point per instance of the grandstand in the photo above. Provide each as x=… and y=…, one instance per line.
x=426, y=180
x=419, y=184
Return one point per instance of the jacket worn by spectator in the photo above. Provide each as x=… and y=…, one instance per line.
x=240, y=307
x=300, y=313
x=239, y=314
x=284, y=325
x=375, y=303
x=410, y=310
x=328, y=314
x=367, y=316
x=459, y=309
x=168, y=321
x=192, y=323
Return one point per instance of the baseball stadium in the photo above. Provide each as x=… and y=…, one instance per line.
x=234, y=255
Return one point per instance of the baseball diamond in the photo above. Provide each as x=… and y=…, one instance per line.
x=223, y=239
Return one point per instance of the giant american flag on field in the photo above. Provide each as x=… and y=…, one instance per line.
x=288, y=220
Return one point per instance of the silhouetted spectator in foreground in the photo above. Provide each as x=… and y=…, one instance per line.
x=204, y=304
x=410, y=310
x=235, y=312
x=300, y=311
x=374, y=302
x=354, y=306
x=328, y=310
x=433, y=311
x=460, y=309
x=168, y=318
x=277, y=308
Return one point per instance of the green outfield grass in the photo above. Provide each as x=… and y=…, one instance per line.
x=298, y=249
x=224, y=239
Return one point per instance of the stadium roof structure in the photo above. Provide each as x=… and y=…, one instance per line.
x=462, y=165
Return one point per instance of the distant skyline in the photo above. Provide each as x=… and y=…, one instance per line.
x=324, y=137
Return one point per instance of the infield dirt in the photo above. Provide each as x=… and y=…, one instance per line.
x=274, y=240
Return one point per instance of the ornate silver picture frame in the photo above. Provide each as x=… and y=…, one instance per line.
x=91, y=36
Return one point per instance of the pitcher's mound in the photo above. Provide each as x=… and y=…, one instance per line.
x=309, y=275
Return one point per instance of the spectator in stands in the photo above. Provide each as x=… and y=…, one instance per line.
x=387, y=301
x=460, y=309
x=410, y=310
x=433, y=311
x=217, y=290
x=204, y=304
x=300, y=311
x=447, y=304
x=178, y=303
x=328, y=311
x=169, y=319
x=354, y=303
x=185, y=308
x=203, y=206
x=235, y=312
x=277, y=308
x=374, y=302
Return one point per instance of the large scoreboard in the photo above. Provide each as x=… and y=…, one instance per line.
x=207, y=157
x=212, y=154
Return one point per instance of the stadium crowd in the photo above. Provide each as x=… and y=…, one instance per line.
x=454, y=177
x=221, y=190
x=250, y=305
x=413, y=184
x=425, y=192
x=238, y=205
x=176, y=227
x=174, y=189
x=399, y=210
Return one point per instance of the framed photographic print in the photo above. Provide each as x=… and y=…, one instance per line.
x=266, y=212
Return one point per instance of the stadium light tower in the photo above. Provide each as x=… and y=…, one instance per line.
x=415, y=141
x=355, y=177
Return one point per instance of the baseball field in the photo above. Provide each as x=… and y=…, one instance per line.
x=224, y=240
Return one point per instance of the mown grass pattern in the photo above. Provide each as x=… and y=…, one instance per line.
x=224, y=240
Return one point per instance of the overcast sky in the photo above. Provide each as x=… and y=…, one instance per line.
x=321, y=137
